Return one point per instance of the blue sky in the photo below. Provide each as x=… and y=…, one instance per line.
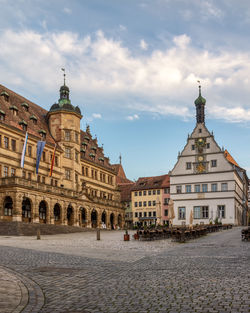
x=132, y=67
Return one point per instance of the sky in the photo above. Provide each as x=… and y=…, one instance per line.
x=132, y=67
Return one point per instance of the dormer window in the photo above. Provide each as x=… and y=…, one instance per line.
x=25, y=106
x=2, y=115
x=14, y=110
x=5, y=95
x=83, y=152
x=23, y=125
x=101, y=159
x=92, y=155
x=84, y=145
x=33, y=118
x=86, y=138
x=93, y=148
x=42, y=133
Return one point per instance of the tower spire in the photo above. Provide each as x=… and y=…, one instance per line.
x=200, y=106
x=120, y=158
x=64, y=75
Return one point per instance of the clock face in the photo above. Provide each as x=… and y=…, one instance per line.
x=200, y=142
x=200, y=158
x=200, y=168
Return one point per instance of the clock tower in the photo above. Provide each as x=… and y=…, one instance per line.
x=204, y=182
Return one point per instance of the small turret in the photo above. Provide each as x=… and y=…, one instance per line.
x=200, y=108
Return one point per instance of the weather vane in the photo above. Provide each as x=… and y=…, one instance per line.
x=63, y=69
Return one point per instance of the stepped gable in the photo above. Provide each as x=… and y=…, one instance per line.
x=9, y=99
x=91, y=151
x=154, y=182
x=121, y=176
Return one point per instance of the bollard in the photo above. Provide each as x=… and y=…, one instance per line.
x=38, y=234
x=98, y=234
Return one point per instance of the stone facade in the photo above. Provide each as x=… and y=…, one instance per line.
x=82, y=190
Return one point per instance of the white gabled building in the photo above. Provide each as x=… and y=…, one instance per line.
x=206, y=183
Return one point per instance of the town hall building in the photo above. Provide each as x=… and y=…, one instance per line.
x=207, y=184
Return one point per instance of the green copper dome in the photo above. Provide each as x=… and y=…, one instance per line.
x=200, y=99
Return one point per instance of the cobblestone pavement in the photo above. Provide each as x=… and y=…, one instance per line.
x=210, y=274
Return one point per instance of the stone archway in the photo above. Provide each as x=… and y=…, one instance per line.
x=8, y=208
x=120, y=220
x=70, y=215
x=42, y=212
x=26, y=210
x=112, y=221
x=94, y=218
x=83, y=217
x=57, y=213
x=104, y=219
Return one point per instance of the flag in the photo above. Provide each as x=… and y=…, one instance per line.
x=39, y=151
x=24, y=150
x=52, y=162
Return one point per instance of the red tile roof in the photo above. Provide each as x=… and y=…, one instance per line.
x=154, y=182
x=121, y=176
x=126, y=191
x=230, y=158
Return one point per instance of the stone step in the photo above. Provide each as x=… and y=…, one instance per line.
x=29, y=229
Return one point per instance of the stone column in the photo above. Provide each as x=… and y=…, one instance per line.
x=17, y=207
x=35, y=209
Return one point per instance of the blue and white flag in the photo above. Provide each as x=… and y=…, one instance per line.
x=24, y=150
x=39, y=151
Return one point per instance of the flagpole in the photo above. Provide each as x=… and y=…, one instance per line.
x=24, y=150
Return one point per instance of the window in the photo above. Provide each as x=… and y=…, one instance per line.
x=221, y=211
x=197, y=188
x=167, y=190
x=158, y=192
x=76, y=178
x=213, y=163
x=67, y=153
x=200, y=212
x=5, y=171
x=135, y=193
x=56, y=160
x=188, y=165
x=2, y=116
x=154, y=203
x=24, y=127
x=24, y=174
x=67, y=135
x=43, y=180
x=87, y=171
x=166, y=201
x=214, y=187
x=55, y=182
x=38, y=178
x=140, y=193
x=188, y=188
x=144, y=203
x=29, y=176
x=208, y=145
x=149, y=192
x=204, y=187
x=136, y=214
x=166, y=212
x=140, y=204
x=224, y=187
x=67, y=174
x=144, y=192
x=145, y=214
x=149, y=203
x=76, y=137
x=154, y=213
x=182, y=213
x=6, y=142
x=76, y=156
x=29, y=151
x=200, y=130
x=13, y=144
x=178, y=189
x=140, y=214
x=136, y=204
x=13, y=172
x=193, y=147
x=154, y=192
x=149, y=214
x=44, y=156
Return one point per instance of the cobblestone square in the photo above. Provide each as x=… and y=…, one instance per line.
x=77, y=273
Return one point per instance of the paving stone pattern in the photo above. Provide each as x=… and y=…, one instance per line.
x=209, y=274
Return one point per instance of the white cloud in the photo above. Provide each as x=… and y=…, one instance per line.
x=97, y=115
x=122, y=27
x=67, y=10
x=100, y=67
x=133, y=117
x=143, y=44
